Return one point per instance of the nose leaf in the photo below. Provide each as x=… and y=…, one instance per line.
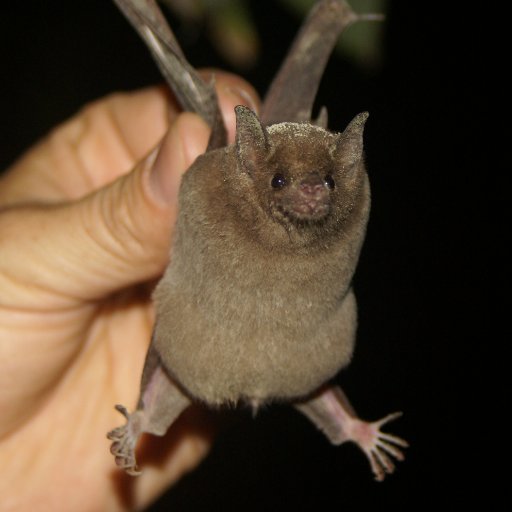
x=314, y=196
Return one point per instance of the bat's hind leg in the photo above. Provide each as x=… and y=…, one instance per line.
x=160, y=403
x=332, y=413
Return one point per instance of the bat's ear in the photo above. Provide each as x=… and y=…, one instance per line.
x=323, y=118
x=350, y=143
x=251, y=139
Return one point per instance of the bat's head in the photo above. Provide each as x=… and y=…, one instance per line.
x=303, y=177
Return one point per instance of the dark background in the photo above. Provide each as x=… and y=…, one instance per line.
x=422, y=280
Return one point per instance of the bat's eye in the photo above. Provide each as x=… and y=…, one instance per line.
x=329, y=182
x=278, y=181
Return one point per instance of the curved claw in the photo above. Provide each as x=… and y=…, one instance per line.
x=123, y=410
x=390, y=417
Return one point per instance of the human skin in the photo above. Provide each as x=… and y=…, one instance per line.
x=86, y=218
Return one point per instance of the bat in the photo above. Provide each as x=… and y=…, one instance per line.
x=256, y=305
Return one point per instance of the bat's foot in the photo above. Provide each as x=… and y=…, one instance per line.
x=332, y=413
x=380, y=448
x=124, y=440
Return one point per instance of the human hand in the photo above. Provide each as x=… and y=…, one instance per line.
x=82, y=240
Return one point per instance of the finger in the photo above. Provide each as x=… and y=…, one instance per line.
x=105, y=140
x=115, y=237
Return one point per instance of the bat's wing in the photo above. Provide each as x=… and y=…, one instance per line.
x=293, y=90
x=193, y=93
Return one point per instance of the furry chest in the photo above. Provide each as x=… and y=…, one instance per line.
x=252, y=349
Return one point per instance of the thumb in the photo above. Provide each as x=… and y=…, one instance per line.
x=116, y=236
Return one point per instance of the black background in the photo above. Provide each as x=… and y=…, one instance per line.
x=422, y=278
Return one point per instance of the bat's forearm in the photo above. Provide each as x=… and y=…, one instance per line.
x=305, y=63
x=191, y=91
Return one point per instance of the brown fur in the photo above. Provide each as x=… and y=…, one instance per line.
x=255, y=304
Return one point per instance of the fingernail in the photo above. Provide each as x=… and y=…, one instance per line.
x=185, y=140
x=243, y=98
x=164, y=183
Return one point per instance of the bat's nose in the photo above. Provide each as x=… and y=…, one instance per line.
x=313, y=197
x=313, y=187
